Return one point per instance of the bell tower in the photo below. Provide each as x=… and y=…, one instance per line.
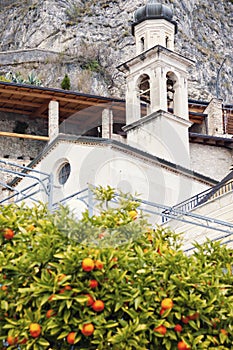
x=156, y=85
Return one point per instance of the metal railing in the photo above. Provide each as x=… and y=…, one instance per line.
x=40, y=183
x=201, y=198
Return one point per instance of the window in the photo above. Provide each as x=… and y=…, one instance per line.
x=171, y=80
x=64, y=173
x=142, y=44
x=144, y=94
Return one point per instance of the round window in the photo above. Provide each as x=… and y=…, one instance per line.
x=64, y=173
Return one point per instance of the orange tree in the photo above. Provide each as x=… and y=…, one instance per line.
x=109, y=281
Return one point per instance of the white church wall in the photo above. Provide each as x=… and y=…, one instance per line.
x=120, y=168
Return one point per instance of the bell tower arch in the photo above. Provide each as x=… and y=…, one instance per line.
x=156, y=80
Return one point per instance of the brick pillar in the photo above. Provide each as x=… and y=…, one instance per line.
x=53, y=119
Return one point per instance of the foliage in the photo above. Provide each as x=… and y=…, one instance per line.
x=92, y=65
x=32, y=79
x=3, y=78
x=42, y=268
x=65, y=84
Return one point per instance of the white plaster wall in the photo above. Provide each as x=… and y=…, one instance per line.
x=164, y=136
x=212, y=161
x=220, y=208
x=155, y=33
x=106, y=165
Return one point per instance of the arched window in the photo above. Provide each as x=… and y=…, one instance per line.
x=170, y=91
x=142, y=44
x=144, y=93
x=167, y=41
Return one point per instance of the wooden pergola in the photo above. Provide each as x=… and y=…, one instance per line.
x=33, y=101
x=83, y=111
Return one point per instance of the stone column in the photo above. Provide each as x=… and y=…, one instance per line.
x=133, y=108
x=53, y=119
x=158, y=90
x=107, y=123
x=215, y=117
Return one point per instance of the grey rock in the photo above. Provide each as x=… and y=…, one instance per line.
x=81, y=33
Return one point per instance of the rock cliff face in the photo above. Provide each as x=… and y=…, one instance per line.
x=92, y=37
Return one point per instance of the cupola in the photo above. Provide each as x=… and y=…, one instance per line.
x=153, y=25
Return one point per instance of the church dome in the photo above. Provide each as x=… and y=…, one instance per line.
x=152, y=10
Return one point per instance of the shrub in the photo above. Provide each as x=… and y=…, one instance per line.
x=65, y=84
x=47, y=265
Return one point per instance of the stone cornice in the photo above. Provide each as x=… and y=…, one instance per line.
x=156, y=50
x=139, y=123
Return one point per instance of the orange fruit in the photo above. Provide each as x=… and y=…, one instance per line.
x=30, y=228
x=133, y=214
x=61, y=277
x=223, y=331
x=98, y=306
x=71, y=337
x=185, y=319
x=167, y=303
x=50, y=313
x=24, y=341
x=88, y=264
x=68, y=288
x=35, y=330
x=12, y=340
x=51, y=297
x=194, y=317
x=90, y=300
x=4, y=288
x=93, y=284
x=178, y=328
x=161, y=329
x=8, y=233
x=182, y=346
x=162, y=312
x=99, y=265
x=87, y=329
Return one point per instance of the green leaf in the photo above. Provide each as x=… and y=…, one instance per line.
x=4, y=305
x=63, y=334
x=43, y=342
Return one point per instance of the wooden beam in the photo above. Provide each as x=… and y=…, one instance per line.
x=19, y=102
x=17, y=111
x=49, y=96
x=42, y=108
x=24, y=136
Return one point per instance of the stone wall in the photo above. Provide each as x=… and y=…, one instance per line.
x=20, y=150
x=16, y=57
x=211, y=161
